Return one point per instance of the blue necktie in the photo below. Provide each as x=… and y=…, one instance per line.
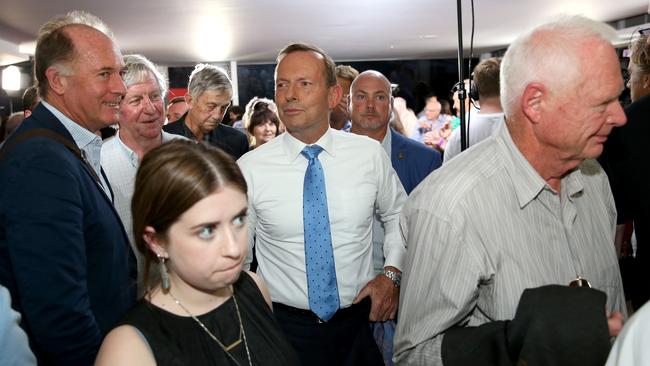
x=319, y=256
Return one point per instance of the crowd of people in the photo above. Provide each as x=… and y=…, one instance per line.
x=322, y=227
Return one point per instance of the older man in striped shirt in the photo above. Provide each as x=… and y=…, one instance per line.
x=527, y=208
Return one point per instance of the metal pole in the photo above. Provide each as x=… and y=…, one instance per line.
x=462, y=93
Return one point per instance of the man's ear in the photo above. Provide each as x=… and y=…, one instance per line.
x=56, y=81
x=532, y=101
x=646, y=81
x=188, y=100
x=334, y=95
x=154, y=242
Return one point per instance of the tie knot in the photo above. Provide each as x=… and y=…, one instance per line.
x=311, y=152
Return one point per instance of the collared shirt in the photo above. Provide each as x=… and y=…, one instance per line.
x=275, y=174
x=486, y=226
x=89, y=143
x=121, y=165
x=481, y=126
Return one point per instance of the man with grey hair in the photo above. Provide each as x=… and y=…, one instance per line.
x=496, y=234
x=209, y=95
x=64, y=254
x=340, y=117
x=142, y=115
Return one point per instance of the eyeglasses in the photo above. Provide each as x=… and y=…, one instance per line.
x=644, y=31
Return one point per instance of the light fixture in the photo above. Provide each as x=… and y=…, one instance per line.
x=11, y=78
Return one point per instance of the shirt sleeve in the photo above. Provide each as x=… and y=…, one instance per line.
x=14, y=347
x=439, y=285
x=250, y=214
x=390, y=200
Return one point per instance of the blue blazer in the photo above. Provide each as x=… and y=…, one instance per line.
x=64, y=254
x=412, y=160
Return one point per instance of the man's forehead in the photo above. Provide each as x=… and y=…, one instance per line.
x=94, y=46
x=85, y=37
x=371, y=83
x=311, y=59
x=215, y=96
x=145, y=86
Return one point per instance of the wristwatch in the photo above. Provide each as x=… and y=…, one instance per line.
x=396, y=277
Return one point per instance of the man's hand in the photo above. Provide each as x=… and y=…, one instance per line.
x=342, y=107
x=432, y=139
x=384, y=296
x=614, y=323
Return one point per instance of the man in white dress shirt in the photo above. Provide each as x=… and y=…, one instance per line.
x=490, y=116
x=142, y=115
x=305, y=92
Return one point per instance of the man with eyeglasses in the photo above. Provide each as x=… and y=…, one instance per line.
x=495, y=236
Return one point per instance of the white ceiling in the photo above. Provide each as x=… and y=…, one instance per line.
x=182, y=32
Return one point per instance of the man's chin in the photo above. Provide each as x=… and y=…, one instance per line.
x=372, y=125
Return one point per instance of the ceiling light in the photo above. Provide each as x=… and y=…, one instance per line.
x=11, y=78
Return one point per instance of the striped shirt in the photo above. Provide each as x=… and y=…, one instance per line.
x=486, y=226
x=121, y=164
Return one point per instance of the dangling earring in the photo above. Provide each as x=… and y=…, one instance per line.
x=164, y=276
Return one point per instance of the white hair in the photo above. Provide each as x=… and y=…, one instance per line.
x=548, y=54
x=208, y=77
x=139, y=70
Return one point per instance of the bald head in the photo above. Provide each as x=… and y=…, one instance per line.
x=371, y=104
x=552, y=54
x=372, y=74
x=560, y=86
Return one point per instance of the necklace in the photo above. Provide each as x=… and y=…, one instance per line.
x=242, y=333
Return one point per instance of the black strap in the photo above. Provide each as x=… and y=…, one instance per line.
x=44, y=132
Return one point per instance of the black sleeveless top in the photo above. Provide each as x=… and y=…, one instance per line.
x=180, y=340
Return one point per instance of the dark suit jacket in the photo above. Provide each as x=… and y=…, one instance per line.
x=554, y=325
x=625, y=159
x=226, y=138
x=64, y=254
x=412, y=160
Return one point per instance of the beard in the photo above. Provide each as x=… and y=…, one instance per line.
x=371, y=124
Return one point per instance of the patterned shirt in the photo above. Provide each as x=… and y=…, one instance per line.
x=121, y=164
x=486, y=226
